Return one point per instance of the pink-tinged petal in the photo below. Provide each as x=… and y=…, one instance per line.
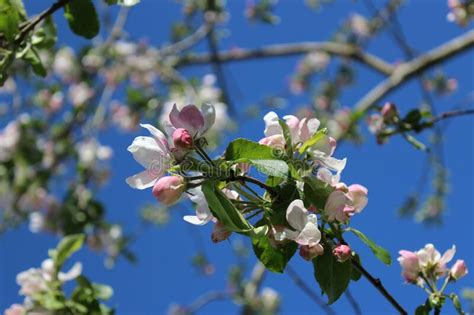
x=308, y=128
x=203, y=212
x=296, y=214
x=332, y=163
x=358, y=194
x=428, y=255
x=335, y=205
x=209, y=114
x=143, y=180
x=272, y=127
x=293, y=126
x=324, y=145
x=458, y=270
x=174, y=117
x=326, y=176
x=448, y=255
x=309, y=235
x=192, y=119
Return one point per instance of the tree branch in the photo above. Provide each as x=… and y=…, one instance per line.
x=306, y=289
x=353, y=302
x=189, y=41
x=407, y=70
x=31, y=24
x=280, y=50
x=379, y=286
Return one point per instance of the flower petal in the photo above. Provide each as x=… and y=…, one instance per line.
x=209, y=114
x=143, y=180
x=296, y=214
x=158, y=135
x=272, y=126
x=72, y=274
x=146, y=151
x=194, y=220
x=310, y=235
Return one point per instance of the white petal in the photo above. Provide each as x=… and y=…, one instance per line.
x=296, y=214
x=146, y=151
x=332, y=163
x=209, y=114
x=194, y=220
x=448, y=255
x=73, y=273
x=272, y=127
x=142, y=180
x=310, y=235
x=158, y=135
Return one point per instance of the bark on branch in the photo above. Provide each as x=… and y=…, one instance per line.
x=279, y=50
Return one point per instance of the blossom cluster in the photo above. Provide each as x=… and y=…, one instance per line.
x=302, y=193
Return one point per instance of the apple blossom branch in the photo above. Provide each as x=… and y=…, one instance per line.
x=407, y=70
x=280, y=50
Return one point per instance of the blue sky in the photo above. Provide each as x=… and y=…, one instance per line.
x=164, y=274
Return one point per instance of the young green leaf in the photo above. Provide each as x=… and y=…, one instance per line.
x=68, y=246
x=82, y=18
x=274, y=259
x=287, y=136
x=223, y=209
x=313, y=140
x=378, y=251
x=263, y=158
x=333, y=277
x=9, y=19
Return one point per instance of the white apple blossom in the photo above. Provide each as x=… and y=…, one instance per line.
x=430, y=257
x=154, y=154
x=64, y=64
x=305, y=224
x=9, y=137
x=80, y=93
x=90, y=151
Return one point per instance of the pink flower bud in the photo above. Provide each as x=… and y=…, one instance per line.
x=168, y=189
x=220, y=233
x=310, y=252
x=458, y=270
x=182, y=139
x=389, y=111
x=342, y=252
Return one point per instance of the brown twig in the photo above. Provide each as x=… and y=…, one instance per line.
x=280, y=50
x=407, y=70
x=379, y=286
x=353, y=302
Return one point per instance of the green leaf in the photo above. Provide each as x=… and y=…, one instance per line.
x=287, y=136
x=313, y=140
x=423, y=309
x=223, y=209
x=456, y=303
x=246, y=149
x=9, y=19
x=379, y=252
x=333, y=277
x=32, y=57
x=68, y=246
x=46, y=36
x=413, y=117
x=274, y=259
x=316, y=191
x=263, y=158
x=82, y=18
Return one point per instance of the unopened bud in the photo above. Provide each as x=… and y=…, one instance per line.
x=342, y=253
x=182, y=139
x=458, y=270
x=168, y=189
x=309, y=252
x=220, y=233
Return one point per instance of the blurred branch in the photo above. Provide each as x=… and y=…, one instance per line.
x=206, y=299
x=189, y=41
x=252, y=287
x=280, y=50
x=30, y=25
x=353, y=302
x=407, y=70
x=306, y=289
